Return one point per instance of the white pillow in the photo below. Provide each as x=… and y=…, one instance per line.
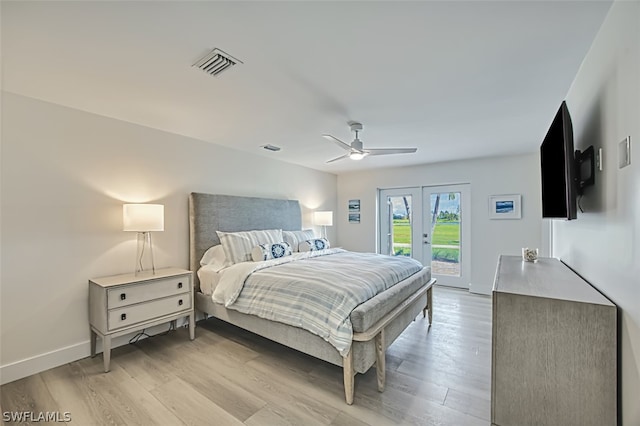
x=209, y=279
x=238, y=245
x=270, y=251
x=215, y=257
x=294, y=238
x=314, y=244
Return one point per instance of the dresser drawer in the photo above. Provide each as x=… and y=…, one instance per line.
x=130, y=315
x=131, y=294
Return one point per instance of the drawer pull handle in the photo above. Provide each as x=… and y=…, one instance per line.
x=123, y=296
x=123, y=317
x=180, y=302
x=179, y=285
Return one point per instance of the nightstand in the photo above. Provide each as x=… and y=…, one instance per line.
x=122, y=304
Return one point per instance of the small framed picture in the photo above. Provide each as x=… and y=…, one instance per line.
x=354, y=206
x=505, y=206
x=354, y=217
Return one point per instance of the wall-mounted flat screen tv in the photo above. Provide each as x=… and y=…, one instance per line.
x=559, y=185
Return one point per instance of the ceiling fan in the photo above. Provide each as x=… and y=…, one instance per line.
x=356, y=149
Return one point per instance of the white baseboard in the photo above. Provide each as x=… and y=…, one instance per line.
x=27, y=367
x=36, y=364
x=478, y=289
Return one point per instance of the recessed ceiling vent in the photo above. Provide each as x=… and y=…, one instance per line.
x=270, y=147
x=215, y=62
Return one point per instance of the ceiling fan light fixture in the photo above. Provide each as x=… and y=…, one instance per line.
x=355, y=150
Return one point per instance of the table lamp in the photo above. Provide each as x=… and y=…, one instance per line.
x=143, y=219
x=324, y=219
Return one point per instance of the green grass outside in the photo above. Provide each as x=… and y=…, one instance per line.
x=445, y=254
x=445, y=233
x=403, y=251
x=401, y=231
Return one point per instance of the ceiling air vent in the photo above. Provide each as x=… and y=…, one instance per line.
x=270, y=147
x=215, y=62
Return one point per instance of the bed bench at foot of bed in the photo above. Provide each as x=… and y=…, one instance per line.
x=401, y=314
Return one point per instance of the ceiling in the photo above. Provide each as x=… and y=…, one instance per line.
x=455, y=79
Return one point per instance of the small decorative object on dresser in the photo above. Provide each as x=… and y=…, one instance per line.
x=530, y=255
x=122, y=304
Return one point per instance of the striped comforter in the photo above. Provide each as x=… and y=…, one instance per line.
x=315, y=291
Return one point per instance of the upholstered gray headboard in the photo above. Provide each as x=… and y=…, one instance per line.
x=209, y=213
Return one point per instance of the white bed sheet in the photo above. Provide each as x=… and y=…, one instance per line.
x=209, y=278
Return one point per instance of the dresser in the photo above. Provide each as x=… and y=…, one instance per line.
x=122, y=304
x=553, y=347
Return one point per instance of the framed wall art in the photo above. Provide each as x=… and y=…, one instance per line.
x=505, y=206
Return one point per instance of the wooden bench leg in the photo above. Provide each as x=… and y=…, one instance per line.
x=380, y=360
x=349, y=376
x=430, y=303
x=429, y=306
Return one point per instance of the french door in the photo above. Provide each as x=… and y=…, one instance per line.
x=430, y=224
x=400, y=211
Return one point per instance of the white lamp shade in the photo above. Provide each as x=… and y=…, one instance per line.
x=323, y=218
x=143, y=217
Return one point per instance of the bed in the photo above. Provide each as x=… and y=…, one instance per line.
x=377, y=322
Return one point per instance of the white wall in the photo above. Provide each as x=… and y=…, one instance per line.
x=489, y=238
x=65, y=175
x=603, y=244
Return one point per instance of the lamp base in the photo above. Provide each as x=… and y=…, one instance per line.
x=144, y=250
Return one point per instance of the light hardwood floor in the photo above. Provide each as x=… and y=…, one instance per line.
x=435, y=376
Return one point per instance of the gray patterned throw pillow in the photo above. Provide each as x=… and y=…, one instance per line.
x=314, y=244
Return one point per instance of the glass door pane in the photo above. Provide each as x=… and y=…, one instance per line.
x=401, y=212
x=399, y=234
x=445, y=233
x=448, y=228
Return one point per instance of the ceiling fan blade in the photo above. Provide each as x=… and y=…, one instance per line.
x=338, y=142
x=339, y=158
x=387, y=151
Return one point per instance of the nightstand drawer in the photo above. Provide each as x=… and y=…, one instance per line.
x=130, y=315
x=131, y=294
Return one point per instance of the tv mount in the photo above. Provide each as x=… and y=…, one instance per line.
x=585, y=162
